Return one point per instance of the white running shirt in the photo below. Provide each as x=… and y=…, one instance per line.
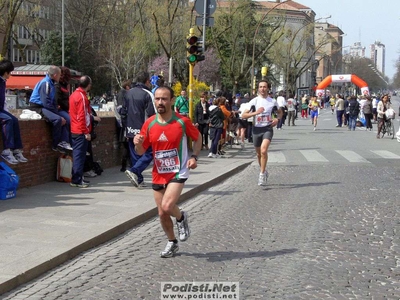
x=265, y=118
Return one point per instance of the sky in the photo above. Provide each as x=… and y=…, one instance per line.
x=364, y=21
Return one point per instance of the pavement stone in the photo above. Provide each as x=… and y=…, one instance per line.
x=46, y=225
x=278, y=242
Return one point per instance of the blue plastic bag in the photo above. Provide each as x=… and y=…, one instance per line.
x=361, y=118
x=8, y=182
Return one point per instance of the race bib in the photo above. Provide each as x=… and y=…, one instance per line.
x=263, y=119
x=167, y=161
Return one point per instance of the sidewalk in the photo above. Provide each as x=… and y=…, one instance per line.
x=46, y=225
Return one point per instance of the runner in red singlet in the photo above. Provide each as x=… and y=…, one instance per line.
x=167, y=132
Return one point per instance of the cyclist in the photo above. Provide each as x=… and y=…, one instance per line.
x=381, y=108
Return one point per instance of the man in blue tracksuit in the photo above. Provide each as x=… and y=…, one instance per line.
x=43, y=101
x=138, y=106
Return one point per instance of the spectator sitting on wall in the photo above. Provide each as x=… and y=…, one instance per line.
x=12, y=143
x=62, y=98
x=43, y=101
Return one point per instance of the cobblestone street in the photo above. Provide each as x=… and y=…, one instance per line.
x=305, y=236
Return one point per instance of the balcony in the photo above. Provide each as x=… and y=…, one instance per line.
x=26, y=42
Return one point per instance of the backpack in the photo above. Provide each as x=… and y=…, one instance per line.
x=97, y=168
x=184, y=103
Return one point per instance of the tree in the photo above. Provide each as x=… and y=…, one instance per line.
x=208, y=70
x=160, y=65
x=9, y=11
x=235, y=42
x=295, y=52
x=51, y=53
x=396, y=77
x=170, y=21
x=361, y=67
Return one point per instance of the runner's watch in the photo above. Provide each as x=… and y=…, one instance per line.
x=194, y=156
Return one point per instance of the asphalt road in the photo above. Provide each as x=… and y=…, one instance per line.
x=326, y=227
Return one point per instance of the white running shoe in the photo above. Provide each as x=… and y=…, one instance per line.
x=65, y=145
x=18, y=156
x=90, y=174
x=8, y=156
x=262, y=178
x=183, y=227
x=133, y=178
x=170, y=249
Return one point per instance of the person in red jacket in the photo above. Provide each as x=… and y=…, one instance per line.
x=79, y=112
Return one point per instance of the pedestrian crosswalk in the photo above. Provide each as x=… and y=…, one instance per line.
x=330, y=156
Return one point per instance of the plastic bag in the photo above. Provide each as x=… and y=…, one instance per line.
x=361, y=118
x=390, y=114
x=8, y=182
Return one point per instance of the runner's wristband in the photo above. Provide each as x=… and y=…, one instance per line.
x=194, y=156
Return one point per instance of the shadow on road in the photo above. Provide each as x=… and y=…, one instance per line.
x=300, y=185
x=231, y=255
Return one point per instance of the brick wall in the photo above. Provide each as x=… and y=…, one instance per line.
x=42, y=165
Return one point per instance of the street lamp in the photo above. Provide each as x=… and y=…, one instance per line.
x=62, y=34
x=255, y=71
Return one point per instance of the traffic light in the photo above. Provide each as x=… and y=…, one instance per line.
x=195, y=49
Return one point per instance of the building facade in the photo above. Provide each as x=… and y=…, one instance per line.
x=378, y=56
x=32, y=26
x=357, y=50
x=329, y=55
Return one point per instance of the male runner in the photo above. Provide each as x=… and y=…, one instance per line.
x=262, y=107
x=167, y=132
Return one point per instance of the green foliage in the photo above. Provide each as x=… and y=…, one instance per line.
x=198, y=88
x=52, y=54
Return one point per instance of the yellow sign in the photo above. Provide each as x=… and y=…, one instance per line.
x=264, y=71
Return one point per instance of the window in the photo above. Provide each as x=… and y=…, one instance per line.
x=28, y=56
x=15, y=54
x=47, y=12
x=20, y=32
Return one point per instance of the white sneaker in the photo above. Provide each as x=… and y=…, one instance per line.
x=262, y=178
x=133, y=178
x=169, y=250
x=90, y=174
x=65, y=146
x=8, y=156
x=142, y=185
x=183, y=227
x=210, y=155
x=18, y=156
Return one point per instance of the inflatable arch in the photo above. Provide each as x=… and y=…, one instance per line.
x=342, y=78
